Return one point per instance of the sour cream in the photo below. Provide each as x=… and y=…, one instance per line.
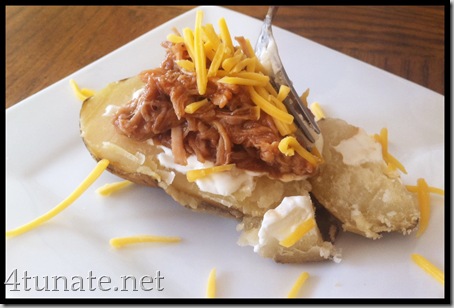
x=282, y=221
x=221, y=183
x=359, y=149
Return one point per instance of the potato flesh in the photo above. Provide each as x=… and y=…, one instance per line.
x=356, y=194
x=97, y=129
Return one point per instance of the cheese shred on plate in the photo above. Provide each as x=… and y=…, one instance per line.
x=429, y=268
x=110, y=188
x=392, y=162
x=433, y=190
x=424, y=205
x=119, y=242
x=211, y=284
x=97, y=171
x=423, y=192
x=298, y=284
x=81, y=94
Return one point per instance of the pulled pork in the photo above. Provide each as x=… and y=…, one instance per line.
x=224, y=131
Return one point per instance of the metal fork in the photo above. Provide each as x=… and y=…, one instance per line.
x=266, y=51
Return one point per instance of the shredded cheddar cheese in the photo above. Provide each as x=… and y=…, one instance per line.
x=432, y=189
x=242, y=81
x=298, y=284
x=230, y=62
x=283, y=92
x=199, y=53
x=289, y=145
x=217, y=59
x=424, y=206
x=225, y=36
x=269, y=108
x=193, y=107
x=237, y=65
x=81, y=94
x=299, y=232
x=94, y=174
x=429, y=268
x=119, y=242
x=110, y=188
x=382, y=138
x=186, y=65
x=211, y=284
x=317, y=111
x=172, y=37
x=194, y=175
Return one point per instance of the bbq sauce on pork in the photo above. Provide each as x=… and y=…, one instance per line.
x=226, y=130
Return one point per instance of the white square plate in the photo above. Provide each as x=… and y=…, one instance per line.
x=46, y=160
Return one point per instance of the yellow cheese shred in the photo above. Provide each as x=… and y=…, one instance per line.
x=428, y=267
x=382, y=138
x=186, y=65
x=172, y=37
x=119, y=242
x=225, y=36
x=193, y=107
x=188, y=37
x=299, y=232
x=298, y=284
x=217, y=59
x=94, y=174
x=433, y=190
x=229, y=63
x=269, y=108
x=199, y=53
x=242, y=81
x=283, y=92
x=424, y=206
x=211, y=284
x=193, y=175
x=317, y=111
x=110, y=188
x=81, y=94
x=289, y=145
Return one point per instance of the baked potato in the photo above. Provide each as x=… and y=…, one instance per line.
x=192, y=113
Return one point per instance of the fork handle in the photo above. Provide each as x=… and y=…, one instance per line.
x=272, y=10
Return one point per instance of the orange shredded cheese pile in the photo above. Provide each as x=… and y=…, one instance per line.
x=211, y=284
x=110, y=188
x=119, y=242
x=392, y=162
x=233, y=65
x=82, y=94
x=429, y=268
x=298, y=284
x=194, y=175
x=94, y=174
x=299, y=232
